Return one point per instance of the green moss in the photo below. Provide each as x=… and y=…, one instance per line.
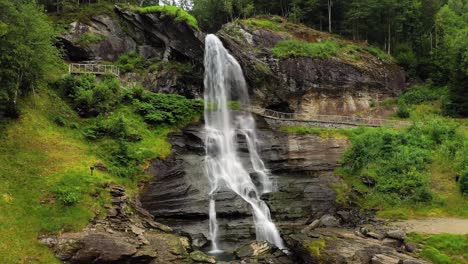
x=178, y=14
x=315, y=246
x=89, y=38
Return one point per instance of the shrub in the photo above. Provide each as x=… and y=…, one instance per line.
x=392, y=161
x=88, y=96
x=130, y=62
x=178, y=14
x=60, y=121
x=117, y=128
x=297, y=48
x=169, y=109
x=403, y=111
x=68, y=195
x=423, y=93
x=464, y=181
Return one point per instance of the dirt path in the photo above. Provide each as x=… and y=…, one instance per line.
x=435, y=225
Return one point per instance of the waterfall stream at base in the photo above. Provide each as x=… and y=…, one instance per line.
x=225, y=90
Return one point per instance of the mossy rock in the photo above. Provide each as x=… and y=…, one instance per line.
x=199, y=256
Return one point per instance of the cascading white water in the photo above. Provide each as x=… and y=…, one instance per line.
x=224, y=84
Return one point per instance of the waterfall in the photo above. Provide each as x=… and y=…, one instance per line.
x=226, y=89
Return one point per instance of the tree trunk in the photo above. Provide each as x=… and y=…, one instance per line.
x=389, y=38
x=330, y=3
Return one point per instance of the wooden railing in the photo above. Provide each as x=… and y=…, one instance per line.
x=351, y=120
x=98, y=69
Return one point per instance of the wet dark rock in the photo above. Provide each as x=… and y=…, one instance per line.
x=302, y=167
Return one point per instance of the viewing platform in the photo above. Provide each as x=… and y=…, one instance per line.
x=330, y=121
x=93, y=68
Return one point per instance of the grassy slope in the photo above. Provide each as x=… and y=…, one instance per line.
x=37, y=156
x=303, y=41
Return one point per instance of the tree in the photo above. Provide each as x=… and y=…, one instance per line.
x=458, y=87
x=27, y=53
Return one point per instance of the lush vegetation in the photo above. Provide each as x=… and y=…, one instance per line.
x=46, y=156
x=27, y=54
x=419, y=170
x=177, y=13
x=443, y=248
x=88, y=96
x=324, y=50
x=132, y=62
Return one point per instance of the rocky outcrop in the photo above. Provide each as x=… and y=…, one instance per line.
x=99, y=38
x=340, y=245
x=178, y=39
x=338, y=85
x=154, y=36
x=127, y=235
x=302, y=166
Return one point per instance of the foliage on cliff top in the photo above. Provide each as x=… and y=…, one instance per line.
x=178, y=14
x=302, y=41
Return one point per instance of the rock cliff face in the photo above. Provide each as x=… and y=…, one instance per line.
x=303, y=171
x=338, y=85
x=153, y=36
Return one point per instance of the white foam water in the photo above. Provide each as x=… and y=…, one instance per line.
x=225, y=84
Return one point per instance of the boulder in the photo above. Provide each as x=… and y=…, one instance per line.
x=329, y=221
x=201, y=257
x=341, y=245
x=396, y=234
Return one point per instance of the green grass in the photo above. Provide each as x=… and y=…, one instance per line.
x=274, y=24
x=443, y=248
x=298, y=48
x=379, y=53
x=45, y=181
x=323, y=50
x=178, y=14
x=322, y=132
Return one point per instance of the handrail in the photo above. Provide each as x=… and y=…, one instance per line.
x=352, y=120
x=81, y=68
